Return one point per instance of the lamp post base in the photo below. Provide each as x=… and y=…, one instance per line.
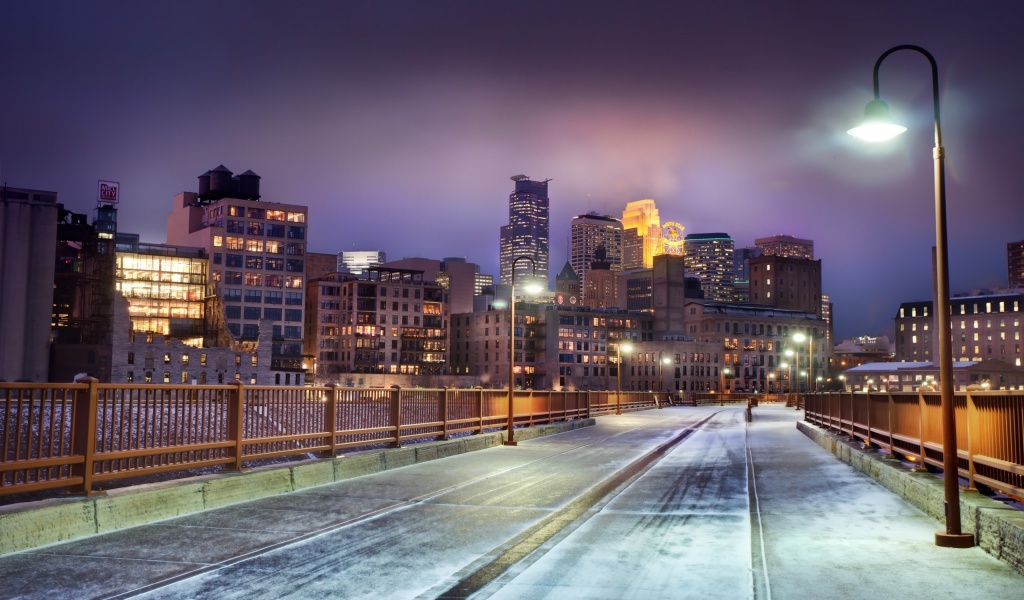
x=950, y=540
x=515, y=443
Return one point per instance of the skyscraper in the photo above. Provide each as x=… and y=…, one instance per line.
x=589, y=232
x=527, y=231
x=786, y=246
x=709, y=257
x=641, y=216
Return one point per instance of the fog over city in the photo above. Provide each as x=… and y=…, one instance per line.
x=399, y=123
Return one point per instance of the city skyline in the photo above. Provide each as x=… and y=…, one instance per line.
x=731, y=118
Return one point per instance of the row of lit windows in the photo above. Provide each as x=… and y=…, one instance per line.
x=269, y=296
x=185, y=358
x=130, y=377
x=259, y=245
x=267, y=214
x=258, y=279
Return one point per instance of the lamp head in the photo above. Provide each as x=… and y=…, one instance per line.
x=799, y=337
x=876, y=126
x=625, y=347
x=533, y=287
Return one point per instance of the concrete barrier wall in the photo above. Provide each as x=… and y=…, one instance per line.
x=998, y=529
x=34, y=524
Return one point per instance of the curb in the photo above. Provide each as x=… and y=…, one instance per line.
x=997, y=528
x=35, y=524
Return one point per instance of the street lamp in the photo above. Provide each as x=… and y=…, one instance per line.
x=799, y=338
x=531, y=287
x=771, y=383
x=619, y=347
x=661, y=374
x=877, y=127
x=724, y=372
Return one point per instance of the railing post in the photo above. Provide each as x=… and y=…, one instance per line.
x=867, y=417
x=586, y=408
x=444, y=412
x=529, y=403
x=84, y=431
x=889, y=425
x=920, y=425
x=331, y=420
x=396, y=415
x=236, y=431
x=973, y=437
x=479, y=410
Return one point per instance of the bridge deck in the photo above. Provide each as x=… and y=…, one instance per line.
x=676, y=503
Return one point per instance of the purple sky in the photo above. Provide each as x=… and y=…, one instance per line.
x=399, y=123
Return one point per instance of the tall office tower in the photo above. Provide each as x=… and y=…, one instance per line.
x=527, y=231
x=641, y=216
x=1015, y=264
x=257, y=260
x=786, y=246
x=709, y=257
x=590, y=232
x=28, y=230
x=782, y=282
x=357, y=262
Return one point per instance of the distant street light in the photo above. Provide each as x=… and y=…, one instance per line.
x=799, y=338
x=619, y=347
x=724, y=373
x=531, y=287
x=661, y=375
x=878, y=127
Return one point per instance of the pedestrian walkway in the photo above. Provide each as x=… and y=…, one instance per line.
x=675, y=503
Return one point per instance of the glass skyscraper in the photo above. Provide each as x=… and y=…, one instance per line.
x=527, y=231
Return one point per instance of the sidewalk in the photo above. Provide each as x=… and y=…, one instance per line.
x=830, y=531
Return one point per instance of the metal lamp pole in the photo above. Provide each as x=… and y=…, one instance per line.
x=511, y=441
x=619, y=347
x=876, y=113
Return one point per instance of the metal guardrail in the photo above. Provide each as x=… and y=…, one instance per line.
x=79, y=435
x=989, y=429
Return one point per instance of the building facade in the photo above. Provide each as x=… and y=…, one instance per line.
x=28, y=221
x=759, y=345
x=556, y=346
x=1015, y=265
x=984, y=327
x=257, y=259
x=789, y=283
x=709, y=257
x=165, y=287
x=786, y=246
x=394, y=321
x=527, y=232
x=588, y=233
